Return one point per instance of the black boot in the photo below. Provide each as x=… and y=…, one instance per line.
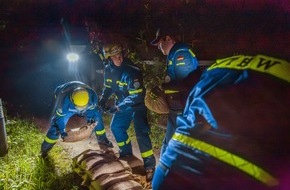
x=43, y=155
x=45, y=148
x=149, y=174
x=104, y=141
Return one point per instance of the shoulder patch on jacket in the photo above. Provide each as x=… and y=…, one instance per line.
x=180, y=58
x=136, y=84
x=167, y=79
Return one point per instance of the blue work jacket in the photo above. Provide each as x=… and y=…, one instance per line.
x=126, y=82
x=64, y=107
x=181, y=61
x=182, y=74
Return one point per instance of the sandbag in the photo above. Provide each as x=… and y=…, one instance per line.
x=102, y=169
x=88, y=153
x=106, y=181
x=79, y=134
x=156, y=103
x=106, y=168
x=126, y=185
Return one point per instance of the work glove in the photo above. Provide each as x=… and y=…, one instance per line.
x=91, y=121
x=64, y=135
x=113, y=110
x=102, y=104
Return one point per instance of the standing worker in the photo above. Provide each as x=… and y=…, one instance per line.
x=249, y=156
x=182, y=72
x=73, y=98
x=125, y=80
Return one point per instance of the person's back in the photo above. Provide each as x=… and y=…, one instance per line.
x=231, y=131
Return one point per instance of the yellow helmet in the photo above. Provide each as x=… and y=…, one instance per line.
x=112, y=49
x=80, y=97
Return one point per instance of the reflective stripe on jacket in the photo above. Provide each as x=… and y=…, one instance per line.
x=126, y=82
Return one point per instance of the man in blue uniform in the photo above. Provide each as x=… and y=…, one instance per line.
x=179, y=156
x=125, y=80
x=182, y=72
x=73, y=98
x=198, y=157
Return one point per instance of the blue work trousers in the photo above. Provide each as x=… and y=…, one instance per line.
x=54, y=132
x=170, y=128
x=120, y=124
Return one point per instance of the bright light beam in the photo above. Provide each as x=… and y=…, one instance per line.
x=72, y=57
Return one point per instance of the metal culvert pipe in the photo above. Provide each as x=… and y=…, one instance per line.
x=3, y=135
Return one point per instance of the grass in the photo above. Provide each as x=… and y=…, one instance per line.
x=22, y=168
x=156, y=134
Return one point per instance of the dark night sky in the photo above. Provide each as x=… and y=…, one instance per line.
x=28, y=24
x=32, y=45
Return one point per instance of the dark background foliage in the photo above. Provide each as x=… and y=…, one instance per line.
x=33, y=41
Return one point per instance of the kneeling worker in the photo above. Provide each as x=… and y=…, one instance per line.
x=74, y=98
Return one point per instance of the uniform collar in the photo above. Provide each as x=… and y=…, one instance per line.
x=114, y=66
